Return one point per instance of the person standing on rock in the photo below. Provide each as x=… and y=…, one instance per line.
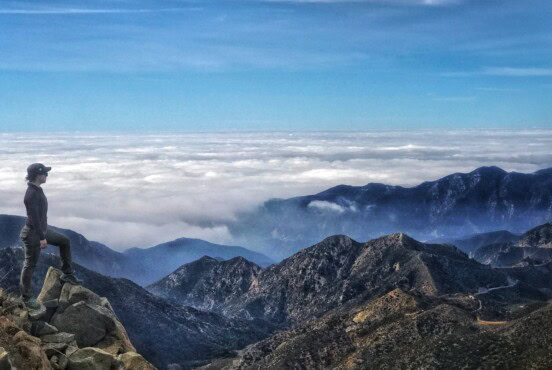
x=36, y=235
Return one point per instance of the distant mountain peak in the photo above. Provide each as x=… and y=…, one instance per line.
x=489, y=170
x=402, y=240
x=207, y=258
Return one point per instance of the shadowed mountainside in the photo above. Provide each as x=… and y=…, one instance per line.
x=459, y=204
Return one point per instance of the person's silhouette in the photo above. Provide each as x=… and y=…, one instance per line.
x=36, y=235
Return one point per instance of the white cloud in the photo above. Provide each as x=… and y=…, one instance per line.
x=141, y=190
x=324, y=205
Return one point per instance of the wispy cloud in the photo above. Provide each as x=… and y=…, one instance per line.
x=139, y=190
x=503, y=71
x=455, y=99
x=84, y=11
x=518, y=72
x=324, y=205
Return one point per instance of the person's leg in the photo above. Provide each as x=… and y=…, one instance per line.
x=31, y=248
x=64, y=244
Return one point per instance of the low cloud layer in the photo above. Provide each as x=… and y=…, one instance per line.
x=140, y=190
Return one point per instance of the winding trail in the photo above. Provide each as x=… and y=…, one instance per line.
x=511, y=283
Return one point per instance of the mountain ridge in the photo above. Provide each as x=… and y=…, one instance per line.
x=483, y=200
x=532, y=247
x=334, y=272
x=134, y=264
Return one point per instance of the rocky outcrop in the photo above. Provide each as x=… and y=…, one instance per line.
x=208, y=284
x=534, y=247
x=75, y=329
x=538, y=237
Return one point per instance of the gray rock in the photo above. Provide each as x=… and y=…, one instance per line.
x=52, y=303
x=71, y=349
x=63, y=362
x=58, y=338
x=38, y=313
x=51, y=289
x=59, y=362
x=40, y=328
x=50, y=311
x=71, y=294
x=56, y=349
x=54, y=362
x=89, y=323
x=90, y=358
x=5, y=363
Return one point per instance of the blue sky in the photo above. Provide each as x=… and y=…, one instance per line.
x=274, y=65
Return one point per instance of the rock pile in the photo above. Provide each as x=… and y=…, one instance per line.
x=74, y=329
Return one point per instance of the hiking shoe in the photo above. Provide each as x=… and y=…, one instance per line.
x=32, y=304
x=71, y=279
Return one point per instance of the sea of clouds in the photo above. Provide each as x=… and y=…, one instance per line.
x=139, y=190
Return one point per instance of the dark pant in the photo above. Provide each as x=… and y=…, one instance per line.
x=31, y=241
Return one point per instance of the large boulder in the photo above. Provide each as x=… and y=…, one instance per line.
x=91, y=358
x=51, y=289
x=89, y=323
x=71, y=294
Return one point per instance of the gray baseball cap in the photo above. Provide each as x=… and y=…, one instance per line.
x=38, y=169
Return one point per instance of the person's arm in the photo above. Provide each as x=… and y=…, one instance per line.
x=34, y=211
